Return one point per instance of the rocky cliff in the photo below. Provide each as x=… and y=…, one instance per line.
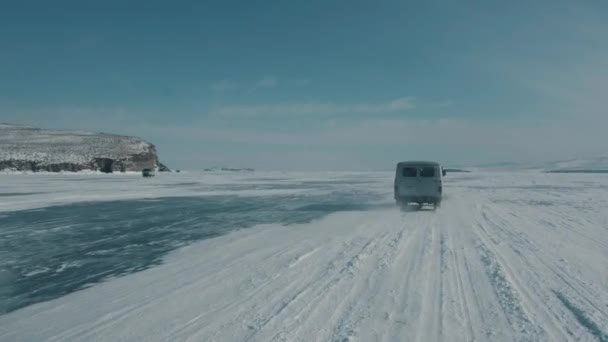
x=31, y=149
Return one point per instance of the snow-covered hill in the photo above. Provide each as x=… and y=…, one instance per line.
x=25, y=148
x=579, y=164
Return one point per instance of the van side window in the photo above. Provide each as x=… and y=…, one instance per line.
x=409, y=172
x=427, y=172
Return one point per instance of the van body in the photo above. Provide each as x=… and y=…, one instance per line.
x=419, y=182
x=147, y=173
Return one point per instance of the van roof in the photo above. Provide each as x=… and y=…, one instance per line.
x=417, y=163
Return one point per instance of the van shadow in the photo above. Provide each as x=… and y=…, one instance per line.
x=415, y=207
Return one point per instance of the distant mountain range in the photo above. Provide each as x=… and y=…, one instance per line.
x=596, y=164
x=24, y=148
x=570, y=165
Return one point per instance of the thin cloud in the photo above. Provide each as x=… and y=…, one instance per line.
x=313, y=109
x=224, y=85
x=493, y=137
x=299, y=82
x=267, y=82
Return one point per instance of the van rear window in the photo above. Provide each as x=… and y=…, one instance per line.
x=409, y=172
x=427, y=172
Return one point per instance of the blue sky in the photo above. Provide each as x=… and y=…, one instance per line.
x=323, y=85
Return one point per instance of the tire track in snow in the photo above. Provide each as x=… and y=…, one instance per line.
x=348, y=273
x=322, y=286
x=407, y=306
x=582, y=318
x=351, y=310
x=318, y=284
x=509, y=299
x=562, y=278
x=483, y=317
x=490, y=320
x=345, y=302
x=566, y=222
x=442, y=270
x=378, y=285
x=431, y=312
x=484, y=325
x=304, y=256
x=544, y=304
x=456, y=279
x=280, y=286
x=514, y=286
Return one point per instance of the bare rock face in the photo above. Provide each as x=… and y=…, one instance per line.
x=31, y=149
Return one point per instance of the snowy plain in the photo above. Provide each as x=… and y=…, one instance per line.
x=510, y=256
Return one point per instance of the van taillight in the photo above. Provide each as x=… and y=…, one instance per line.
x=440, y=188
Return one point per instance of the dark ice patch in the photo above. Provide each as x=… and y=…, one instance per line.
x=9, y=194
x=45, y=254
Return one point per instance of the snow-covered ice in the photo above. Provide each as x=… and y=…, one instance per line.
x=519, y=256
x=19, y=191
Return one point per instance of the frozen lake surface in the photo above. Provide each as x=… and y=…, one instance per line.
x=50, y=251
x=517, y=256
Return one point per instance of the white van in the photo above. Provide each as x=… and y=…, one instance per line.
x=419, y=182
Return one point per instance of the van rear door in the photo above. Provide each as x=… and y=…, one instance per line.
x=428, y=184
x=408, y=181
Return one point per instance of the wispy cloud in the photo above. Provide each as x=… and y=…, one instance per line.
x=224, y=85
x=568, y=76
x=375, y=138
x=488, y=140
x=300, y=82
x=313, y=109
x=266, y=82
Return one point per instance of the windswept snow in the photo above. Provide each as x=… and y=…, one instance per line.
x=21, y=191
x=508, y=257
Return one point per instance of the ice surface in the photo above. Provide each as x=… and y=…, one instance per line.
x=37, y=190
x=517, y=256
